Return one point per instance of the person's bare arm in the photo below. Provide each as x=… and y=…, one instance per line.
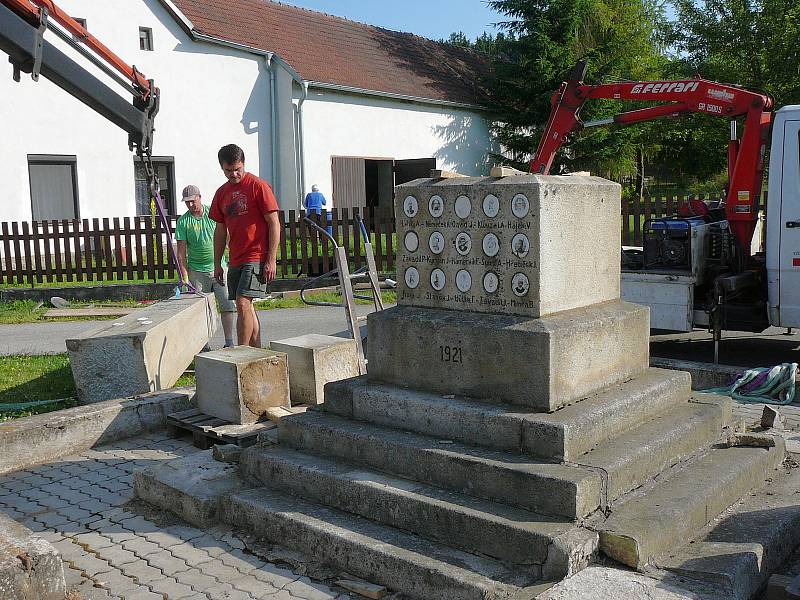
x=182, y=260
x=220, y=239
x=274, y=229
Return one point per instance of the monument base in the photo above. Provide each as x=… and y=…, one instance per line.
x=542, y=363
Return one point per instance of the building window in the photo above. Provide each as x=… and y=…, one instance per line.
x=165, y=169
x=54, y=187
x=145, y=38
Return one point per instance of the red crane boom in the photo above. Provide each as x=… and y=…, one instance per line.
x=745, y=156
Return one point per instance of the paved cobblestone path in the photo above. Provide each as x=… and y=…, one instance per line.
x=112, y=550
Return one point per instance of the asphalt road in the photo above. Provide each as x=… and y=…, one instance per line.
x=741, y=349
x=48, y=338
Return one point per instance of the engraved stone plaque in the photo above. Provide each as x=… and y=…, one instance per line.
x=528, y=245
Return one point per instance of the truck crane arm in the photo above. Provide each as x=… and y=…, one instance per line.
x=22, y=27
x=745, y=156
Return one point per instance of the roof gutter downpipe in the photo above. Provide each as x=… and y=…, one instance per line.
x=273, y=120
x=301, y=143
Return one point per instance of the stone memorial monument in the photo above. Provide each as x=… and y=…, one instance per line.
x=509, y=289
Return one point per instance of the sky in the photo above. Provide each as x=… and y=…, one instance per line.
x=433, y=19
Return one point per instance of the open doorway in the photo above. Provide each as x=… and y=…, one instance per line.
x=369, y=182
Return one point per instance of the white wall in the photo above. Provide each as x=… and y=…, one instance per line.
x=211, y=96
x=337, y=124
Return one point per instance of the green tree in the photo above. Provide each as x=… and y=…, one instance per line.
x=752, y=43
x=620, y=39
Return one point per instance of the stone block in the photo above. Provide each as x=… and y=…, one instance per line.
x=147, y=350
x=542, y=363
x=239, y=384
x=315, y=360
x=529, y=245
x=30, y=567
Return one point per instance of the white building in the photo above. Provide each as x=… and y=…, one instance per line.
x=310, y=98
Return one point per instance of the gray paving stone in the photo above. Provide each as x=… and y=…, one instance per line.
x=253, y=586
x=118, y=556
x=141, y=547
x=88, y=591
x=276, y=576
x=68, y=549
x=95, y=506
x=117, y=583
x=168, y=564
x=90, y=564
x=241, y=561
x=142, y=594
x=174, y=590
x=72, y=576
x=73, y=513
x=193, y=556
x=220, y=572
x=217, y=591
x=184, y=532
x=163, y=539
x=117, y=534
x=54, y=502
x=51, y=535
x=52, y=519
x=94, y=540
x=139, y=525
x=233, y=595
x=195, y=579
x=12, y=513
x=307, y=590
x=141, y=571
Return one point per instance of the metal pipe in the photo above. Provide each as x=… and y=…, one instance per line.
x=301, y=143
x=273, y=123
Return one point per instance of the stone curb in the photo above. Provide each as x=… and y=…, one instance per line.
x=43, y=438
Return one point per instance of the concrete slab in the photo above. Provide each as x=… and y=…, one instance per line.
x=315, y=360
x=458, y=520
x=745, y=544
x=564, y=490
x=239, y=384
x=604, y=583
x=542, y=363
x=190, y=487
x=398, y=560
x=675, y=510
x=42, y=438
x=30, y=568
x=564, y=435
x=508, y=246
x=144, y=351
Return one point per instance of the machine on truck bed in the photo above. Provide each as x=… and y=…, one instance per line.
x=696, y=269
x=23, y=24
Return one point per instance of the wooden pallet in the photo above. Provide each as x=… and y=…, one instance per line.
x=207, y=431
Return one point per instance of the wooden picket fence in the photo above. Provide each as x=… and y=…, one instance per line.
x=134, y=249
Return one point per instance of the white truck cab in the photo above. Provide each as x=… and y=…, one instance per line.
x=783, y=219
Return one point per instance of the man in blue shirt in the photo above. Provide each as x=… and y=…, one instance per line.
x=314, y=201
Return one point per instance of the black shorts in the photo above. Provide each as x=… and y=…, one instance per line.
x=248, y=280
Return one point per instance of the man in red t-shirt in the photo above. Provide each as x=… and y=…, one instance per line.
x=246, y=213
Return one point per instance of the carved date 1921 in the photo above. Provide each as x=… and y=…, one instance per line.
x=450, y=354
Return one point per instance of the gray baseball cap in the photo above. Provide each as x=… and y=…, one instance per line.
x=190, y=191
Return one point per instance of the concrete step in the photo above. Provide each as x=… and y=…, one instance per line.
x=553, y=489
x=419, y=568
x=632, y=459
x=670, y=513
x=563, y=435
x=739, y=551
x=471, y=524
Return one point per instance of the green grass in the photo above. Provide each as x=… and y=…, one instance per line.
x=388, y=298
x=45, y=377
x=31, y=378
x=25, y=311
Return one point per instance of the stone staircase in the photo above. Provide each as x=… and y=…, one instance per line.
x=382, y=482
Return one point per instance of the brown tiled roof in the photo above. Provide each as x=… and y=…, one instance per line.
x=330, y=49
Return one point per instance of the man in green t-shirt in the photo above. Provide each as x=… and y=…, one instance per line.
x=195, y=234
